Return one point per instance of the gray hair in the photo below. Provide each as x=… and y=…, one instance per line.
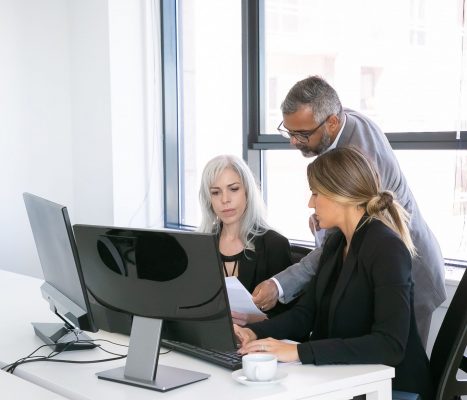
x=253, y=222
x=313, y=92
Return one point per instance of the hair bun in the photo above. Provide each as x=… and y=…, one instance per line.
x=386, y=199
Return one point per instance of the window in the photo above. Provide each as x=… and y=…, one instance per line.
x=417, y=20
x=402, y=63
x=364, y=50
x=204, y=92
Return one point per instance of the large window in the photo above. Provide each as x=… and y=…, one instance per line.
x=436, y=177
x=402, y=63
x=205, y=96
x=399, y=62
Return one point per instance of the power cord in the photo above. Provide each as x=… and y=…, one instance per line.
x=60, y=348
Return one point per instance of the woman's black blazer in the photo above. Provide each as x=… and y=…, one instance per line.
x=371, y=318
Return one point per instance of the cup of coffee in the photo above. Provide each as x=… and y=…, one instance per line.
x=259, y=366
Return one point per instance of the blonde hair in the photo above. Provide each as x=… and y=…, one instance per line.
x=346, y=176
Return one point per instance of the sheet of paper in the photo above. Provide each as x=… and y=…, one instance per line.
x=239, y=298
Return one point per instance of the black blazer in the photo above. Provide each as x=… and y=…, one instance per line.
x=271, y=256
x=371, y=318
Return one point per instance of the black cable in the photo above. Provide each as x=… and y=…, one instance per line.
x=31, y=358
x=50, y=357
x=11, y=368
x=31, y=355
x=108, y=341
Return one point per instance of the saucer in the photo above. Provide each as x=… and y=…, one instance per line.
x=241, y=378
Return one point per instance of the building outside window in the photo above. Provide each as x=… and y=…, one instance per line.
x=366, y=50
x=402, y=63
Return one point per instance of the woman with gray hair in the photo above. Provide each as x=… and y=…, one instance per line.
x=232, y=208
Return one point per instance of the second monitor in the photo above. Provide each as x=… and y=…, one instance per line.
x=173, y=284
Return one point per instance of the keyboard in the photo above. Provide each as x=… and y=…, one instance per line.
x=227, y=359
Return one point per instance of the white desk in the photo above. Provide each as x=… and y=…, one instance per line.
x=22, y=304
x=14, y=388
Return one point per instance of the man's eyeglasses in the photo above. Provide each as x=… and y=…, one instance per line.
x=301, y=136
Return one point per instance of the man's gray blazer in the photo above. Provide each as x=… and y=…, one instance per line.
x=428, y=266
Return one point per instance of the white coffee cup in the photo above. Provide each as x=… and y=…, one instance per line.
x=259, y=366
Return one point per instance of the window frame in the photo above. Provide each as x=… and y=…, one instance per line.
x=253, y=69
x=253, y=109
x=170, y=114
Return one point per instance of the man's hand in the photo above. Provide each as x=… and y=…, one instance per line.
x=265, y=295
x=316, y=230
x=313, y=224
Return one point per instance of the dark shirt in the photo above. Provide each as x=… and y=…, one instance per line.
x=271, y=256
x=321, y=330
x=371, y=313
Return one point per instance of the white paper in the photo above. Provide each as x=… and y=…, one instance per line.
x=239, y=298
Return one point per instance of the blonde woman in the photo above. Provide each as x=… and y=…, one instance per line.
x=359, y=307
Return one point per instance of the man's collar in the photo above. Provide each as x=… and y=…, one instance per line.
x=334, y=143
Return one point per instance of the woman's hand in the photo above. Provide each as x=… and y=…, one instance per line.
x=243, y=319
x=244, y=335
x=285, y=352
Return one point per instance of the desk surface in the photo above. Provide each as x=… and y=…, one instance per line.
x=23, y=304
x=15, y=388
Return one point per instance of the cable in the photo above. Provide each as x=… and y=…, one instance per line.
x=108, y=341
x=6, y=367
x=50, y=357
x=29, y=358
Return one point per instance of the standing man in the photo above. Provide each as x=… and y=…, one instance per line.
x=315, y=122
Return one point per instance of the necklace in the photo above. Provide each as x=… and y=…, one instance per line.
x=235, y=258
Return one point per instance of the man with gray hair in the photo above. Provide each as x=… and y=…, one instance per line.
x=315, y=122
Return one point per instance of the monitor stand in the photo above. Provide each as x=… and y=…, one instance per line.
x=142, y=368
x=62, y=337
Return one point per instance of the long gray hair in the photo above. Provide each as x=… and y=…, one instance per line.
x=313, y=92
x=253, y=222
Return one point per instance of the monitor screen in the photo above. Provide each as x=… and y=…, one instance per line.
x=63, y=287
x=171, y=279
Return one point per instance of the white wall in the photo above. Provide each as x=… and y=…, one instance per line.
x=135, y=82
x=71, y=105
x=90, y=112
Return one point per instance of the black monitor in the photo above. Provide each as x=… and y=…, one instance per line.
x=63, y=287
x=172, y=282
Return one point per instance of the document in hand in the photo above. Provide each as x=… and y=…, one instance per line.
x=239, y=298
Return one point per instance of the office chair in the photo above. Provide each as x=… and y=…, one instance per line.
x=448, y=354
x=298, y=252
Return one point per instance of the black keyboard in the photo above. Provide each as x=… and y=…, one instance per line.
x=227, y=359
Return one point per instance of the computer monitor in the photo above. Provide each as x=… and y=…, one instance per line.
x=63, y=287
x=163, y=278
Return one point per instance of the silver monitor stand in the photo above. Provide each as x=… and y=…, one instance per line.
x=142, y=368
